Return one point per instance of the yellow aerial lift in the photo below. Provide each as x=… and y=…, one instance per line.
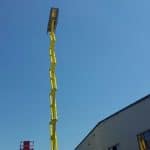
x=53, y=107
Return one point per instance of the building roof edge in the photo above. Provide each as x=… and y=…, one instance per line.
x=114, y=114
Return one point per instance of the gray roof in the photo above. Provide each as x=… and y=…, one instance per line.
x=102, y=121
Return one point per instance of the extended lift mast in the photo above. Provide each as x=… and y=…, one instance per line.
x=53, y=107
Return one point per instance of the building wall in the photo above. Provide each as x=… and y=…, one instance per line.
x=121, y=129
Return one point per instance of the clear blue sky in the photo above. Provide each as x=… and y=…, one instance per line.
x=103, y=53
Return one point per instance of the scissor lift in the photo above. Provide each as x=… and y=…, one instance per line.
x=53, y=107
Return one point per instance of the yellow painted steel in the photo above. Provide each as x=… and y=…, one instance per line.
x=53, y=82
x=142, y=143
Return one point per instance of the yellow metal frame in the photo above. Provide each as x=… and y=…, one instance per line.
x=53, y=82
x=142, y=143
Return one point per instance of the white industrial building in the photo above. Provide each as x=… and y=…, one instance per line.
x=127, y=129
